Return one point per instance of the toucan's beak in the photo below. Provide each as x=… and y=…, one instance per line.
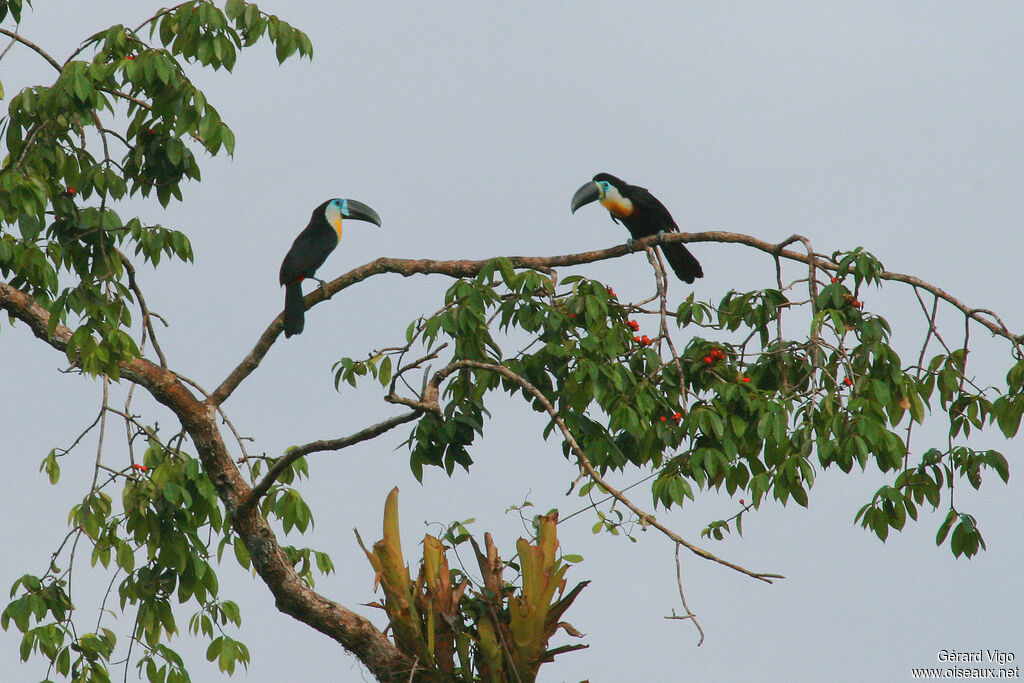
x=361, y=212
x=586, y=194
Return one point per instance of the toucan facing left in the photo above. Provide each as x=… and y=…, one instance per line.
x=643, y=215
x=310, y=249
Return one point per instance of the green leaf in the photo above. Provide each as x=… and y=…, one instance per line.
x=242, y=553
x=944, y=528
x=51, y=467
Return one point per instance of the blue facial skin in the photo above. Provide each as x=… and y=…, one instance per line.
x=605, y=187
x=342, y=205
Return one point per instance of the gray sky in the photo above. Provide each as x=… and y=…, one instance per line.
x=468, y=127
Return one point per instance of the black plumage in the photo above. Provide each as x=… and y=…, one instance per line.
x=643, y=215
x=309, y=251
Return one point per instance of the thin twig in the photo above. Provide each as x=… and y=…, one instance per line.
x=778, y=326
x=146, y=321
x=125, y=96
x=645, y=517
x=293, y=454
x=661, y=279
x=8, y=48
x=594, y=504
x=689, y=614
x=32, y=46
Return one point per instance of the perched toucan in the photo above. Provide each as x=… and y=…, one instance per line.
x=642, y=214
x=310, y=250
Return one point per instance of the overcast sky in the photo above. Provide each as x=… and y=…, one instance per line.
x=467, y=126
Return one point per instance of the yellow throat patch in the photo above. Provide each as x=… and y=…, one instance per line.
x=617, y=205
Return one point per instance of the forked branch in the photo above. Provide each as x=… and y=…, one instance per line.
x=646, y=518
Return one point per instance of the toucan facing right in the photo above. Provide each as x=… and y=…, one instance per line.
x=643, y=215
x=310, y=249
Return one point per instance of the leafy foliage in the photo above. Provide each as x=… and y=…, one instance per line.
x=126, y=121
x=733, y=405
x=159, y=542
x=748, y=411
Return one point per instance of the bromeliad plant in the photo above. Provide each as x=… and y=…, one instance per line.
x=493, y=632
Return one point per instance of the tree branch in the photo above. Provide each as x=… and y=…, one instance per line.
x=32, y=46
x=689, y=613
x=645, y=517
x=293, y=597
x=296, y=452
x=457, y=268
x=147, y=321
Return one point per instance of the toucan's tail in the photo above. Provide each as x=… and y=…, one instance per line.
x=294, y=309
x=686, y=267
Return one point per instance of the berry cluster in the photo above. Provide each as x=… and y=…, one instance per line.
x=644, y=340
x=714, y=356
x=677, y=416
x=139, y=468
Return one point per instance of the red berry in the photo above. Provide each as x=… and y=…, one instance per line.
x=611, y=292
x=677, y=416
x=634, y=325
x=847, y=381
x=143, y=468
x=645, y=340
x=240, y=460
x=636, y=339
x=71, y=189
x=835, y=279
x=136, y=466
x=709, y=360
x=662, y=418
x=572, y=315
x=130, y=58
x=745, y=379
x=741, y=502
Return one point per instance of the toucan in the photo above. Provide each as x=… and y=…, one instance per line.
x=310, y=249
x=643, y=215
